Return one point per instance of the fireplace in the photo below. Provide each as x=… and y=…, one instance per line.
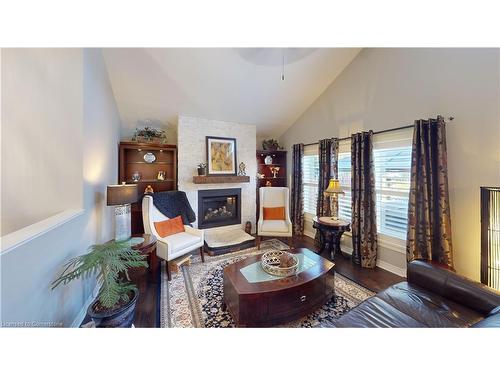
x=217, y=208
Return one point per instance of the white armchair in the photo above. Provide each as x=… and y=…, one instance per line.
x=274, y=197
x=176, y=245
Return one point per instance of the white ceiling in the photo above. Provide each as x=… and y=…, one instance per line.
x=232, y=84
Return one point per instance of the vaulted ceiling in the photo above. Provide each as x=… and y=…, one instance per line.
x=233, y=84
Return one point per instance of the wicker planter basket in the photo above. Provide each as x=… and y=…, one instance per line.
x=142, y=139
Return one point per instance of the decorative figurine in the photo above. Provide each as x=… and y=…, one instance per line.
x=161, y=176
x=136, y=176
x=268, y=183
x=241, y=169
x=149, y=190
x=248, y=227
x=274, y=171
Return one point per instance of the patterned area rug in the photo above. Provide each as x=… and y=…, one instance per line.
x=193, y=298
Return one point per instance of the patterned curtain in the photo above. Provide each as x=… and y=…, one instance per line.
x=297, y=190
x=429, y=223
x=363, y=210
x=328, y=168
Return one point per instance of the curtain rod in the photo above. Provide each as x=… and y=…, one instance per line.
x=379, y=132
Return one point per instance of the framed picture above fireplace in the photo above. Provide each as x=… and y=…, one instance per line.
x=221, y=156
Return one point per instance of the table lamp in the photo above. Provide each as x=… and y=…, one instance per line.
x=121, y=196
x=333, y=191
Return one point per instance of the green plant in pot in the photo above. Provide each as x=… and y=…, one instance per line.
x=115, y=303
x=270, y=144
x=202, y=169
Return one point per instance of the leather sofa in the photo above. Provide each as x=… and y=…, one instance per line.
x=431, y=297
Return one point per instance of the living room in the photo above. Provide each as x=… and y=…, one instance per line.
x=317, y=186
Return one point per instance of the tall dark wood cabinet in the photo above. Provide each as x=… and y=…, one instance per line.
x=278, y=160
x=147, y=160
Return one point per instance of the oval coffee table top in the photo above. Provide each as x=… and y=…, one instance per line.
x=232, y=273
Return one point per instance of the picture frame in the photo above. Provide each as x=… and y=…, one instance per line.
x=221, y=156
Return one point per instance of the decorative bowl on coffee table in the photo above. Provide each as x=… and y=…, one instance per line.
x=272, y=262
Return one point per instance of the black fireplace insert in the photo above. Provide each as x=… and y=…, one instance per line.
x=220, y=207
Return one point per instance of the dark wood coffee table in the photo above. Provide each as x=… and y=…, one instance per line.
x=274, y=302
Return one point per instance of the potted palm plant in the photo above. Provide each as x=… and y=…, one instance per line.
x=115, y=303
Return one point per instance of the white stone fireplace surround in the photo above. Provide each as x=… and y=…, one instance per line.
x=192, y=151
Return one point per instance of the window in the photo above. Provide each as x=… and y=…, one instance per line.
x=392, y=159
x=344, y=168
x=310, y=173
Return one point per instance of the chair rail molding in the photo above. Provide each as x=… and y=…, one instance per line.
x=29, y=233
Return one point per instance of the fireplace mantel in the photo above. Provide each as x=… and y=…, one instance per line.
x=220, y=179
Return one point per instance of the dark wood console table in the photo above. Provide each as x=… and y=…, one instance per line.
x=330, y=234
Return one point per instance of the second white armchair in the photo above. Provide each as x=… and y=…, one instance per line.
x=274, y=214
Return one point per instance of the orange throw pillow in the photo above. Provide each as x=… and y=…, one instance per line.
x=169, y=227
x=274, y=213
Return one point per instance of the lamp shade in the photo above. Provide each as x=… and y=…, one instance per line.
x=333, y=187
x=121, y=194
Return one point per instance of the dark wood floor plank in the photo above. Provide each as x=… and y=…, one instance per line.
x=376, y=279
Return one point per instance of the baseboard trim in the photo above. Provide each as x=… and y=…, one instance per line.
x=381, y=264
x=309, y=234
x=77, y=322
x=391, y=268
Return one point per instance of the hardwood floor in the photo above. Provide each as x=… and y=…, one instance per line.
x=148, y=305
x=376, y=279
x=147, y=311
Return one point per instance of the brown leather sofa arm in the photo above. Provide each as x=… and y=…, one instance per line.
x=454, y=287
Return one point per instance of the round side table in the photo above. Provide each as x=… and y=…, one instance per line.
x=148, y=247
x=330, y=233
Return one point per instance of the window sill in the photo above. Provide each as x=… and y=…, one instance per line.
x=19, y=237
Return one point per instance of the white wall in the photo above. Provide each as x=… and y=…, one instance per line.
x=41, y=134
x=100, y=147
x=192, y=151
x=29, y=269
x=386, y=88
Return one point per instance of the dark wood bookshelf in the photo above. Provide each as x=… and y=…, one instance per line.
x=131, y=159
x=279, y=160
